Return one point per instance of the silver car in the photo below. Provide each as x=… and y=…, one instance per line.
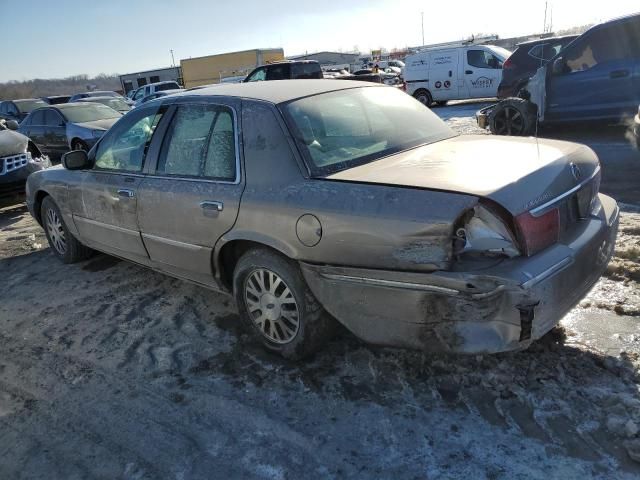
x=312, y=201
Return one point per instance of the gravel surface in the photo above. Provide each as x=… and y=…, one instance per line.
x=109, y=370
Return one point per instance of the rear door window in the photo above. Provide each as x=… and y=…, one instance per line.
x=306, y=71
x=278, y=72
x=200, y=142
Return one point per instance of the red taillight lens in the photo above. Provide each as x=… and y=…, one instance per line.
x=508, y=64
x=537, y=233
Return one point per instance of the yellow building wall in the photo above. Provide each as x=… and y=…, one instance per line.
x=210, y=69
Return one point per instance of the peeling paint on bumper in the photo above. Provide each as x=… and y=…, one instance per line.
x=487, y=311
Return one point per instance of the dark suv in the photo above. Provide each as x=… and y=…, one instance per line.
x=526, y=59
x=303, y=69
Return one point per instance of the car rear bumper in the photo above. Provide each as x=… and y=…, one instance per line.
x=494, y=310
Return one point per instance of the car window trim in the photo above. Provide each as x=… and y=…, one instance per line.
x=153, y=169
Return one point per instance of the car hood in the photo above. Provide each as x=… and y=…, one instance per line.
x=105, y=124
x=517, y=173
x=12, y=143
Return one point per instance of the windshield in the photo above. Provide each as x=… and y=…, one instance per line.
x=90, y=113
x=344, y=129
x=26, y=106
x=115, y=103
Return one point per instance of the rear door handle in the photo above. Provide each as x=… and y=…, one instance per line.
x=211, y=205
x=619, y=74
x=126, y=193
x=468, y=72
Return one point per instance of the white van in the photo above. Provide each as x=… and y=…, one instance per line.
x=437, y=75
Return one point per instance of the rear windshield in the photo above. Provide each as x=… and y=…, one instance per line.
x=115, y=103
x=26, y=106
x=90, y=113
x=167, y=86
x=343, y=129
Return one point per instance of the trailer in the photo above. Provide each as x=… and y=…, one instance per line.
x=215, y=68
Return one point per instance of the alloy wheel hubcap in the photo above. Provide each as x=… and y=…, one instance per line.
x=510, y=121
x=271, y=305
x=56, y=232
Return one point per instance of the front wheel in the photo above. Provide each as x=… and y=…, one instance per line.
x=424, y=97
x=62, y=242
x=278, y=307
x=513, y=116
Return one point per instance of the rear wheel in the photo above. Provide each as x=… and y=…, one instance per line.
x=424, y=97
x=62, y=242
x=513, y=116
x=278, y=307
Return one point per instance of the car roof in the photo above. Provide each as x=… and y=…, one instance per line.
x=93, y=99
x=25, y=100
x=277, y=91
x=547, y=40
x=68, y=106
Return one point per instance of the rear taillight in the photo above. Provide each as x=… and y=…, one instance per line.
x=538, y=233
x=508, y=64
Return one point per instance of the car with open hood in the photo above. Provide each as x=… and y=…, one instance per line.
x=56, y=129
x=316, y=201
x=19, y=109
x=19, y=157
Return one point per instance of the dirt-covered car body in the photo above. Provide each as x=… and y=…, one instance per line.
x=19, y=157
x=465, y=244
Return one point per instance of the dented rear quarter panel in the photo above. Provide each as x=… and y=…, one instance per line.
x=376, y=226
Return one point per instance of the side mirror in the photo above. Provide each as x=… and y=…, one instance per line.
x=558, y=66
x=75, y=160
x=12, y=124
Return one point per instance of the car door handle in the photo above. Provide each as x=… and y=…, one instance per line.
x=468, y=72
x=619, y=74
x=126, y=193
x=211, y=205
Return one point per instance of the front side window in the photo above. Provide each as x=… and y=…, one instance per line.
x=53, y=119
x=126, y=144
x=604, y=45
x=139, y=94
x=37, y=118
x=483, y=59
x=200, y=142
x=344, y=129
x=258, y=76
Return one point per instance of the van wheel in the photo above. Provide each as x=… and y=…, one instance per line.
x=278, y=307
x=424, y=97
x=514, y=117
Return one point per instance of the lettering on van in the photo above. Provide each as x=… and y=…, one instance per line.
x=441, y=60
x=482, y=82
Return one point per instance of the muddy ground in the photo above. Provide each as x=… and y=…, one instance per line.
x=108, y=370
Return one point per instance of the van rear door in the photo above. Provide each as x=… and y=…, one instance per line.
x=443, y=74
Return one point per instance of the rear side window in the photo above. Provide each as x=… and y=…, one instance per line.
x=166, y=86
x=483, y=59
x=200, y=142
x=306, y=71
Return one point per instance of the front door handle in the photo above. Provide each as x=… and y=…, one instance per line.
x=468, y=72
x=211, y=205
x=126, y=193
x=619, y=74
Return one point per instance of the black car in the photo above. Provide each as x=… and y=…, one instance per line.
x=302, y=69
x=526, y=59
x=56, y=99
x=19, y=109
x=57, y=129
x=19, y=157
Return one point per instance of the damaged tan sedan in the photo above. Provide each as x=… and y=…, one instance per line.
x=313, y=201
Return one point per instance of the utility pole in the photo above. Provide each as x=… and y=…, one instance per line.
x=544, y=26
x=422, y=15
x=173, y=61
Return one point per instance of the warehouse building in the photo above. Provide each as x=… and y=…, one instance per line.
x=328, y=59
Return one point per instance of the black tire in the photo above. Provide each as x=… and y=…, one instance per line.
x=513, y=116
x=314, y=325
x=79, y=145
x=442, y=103
x=70, y=250
x=423, y=96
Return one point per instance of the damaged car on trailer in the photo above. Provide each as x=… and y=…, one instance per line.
x=19, y=157
x=313, y=201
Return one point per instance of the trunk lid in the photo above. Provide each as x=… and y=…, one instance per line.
x=520, y=174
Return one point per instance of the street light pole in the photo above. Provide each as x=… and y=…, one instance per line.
x=422, y=15
x=173, y=61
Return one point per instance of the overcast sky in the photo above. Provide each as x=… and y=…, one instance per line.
x=49, y=39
